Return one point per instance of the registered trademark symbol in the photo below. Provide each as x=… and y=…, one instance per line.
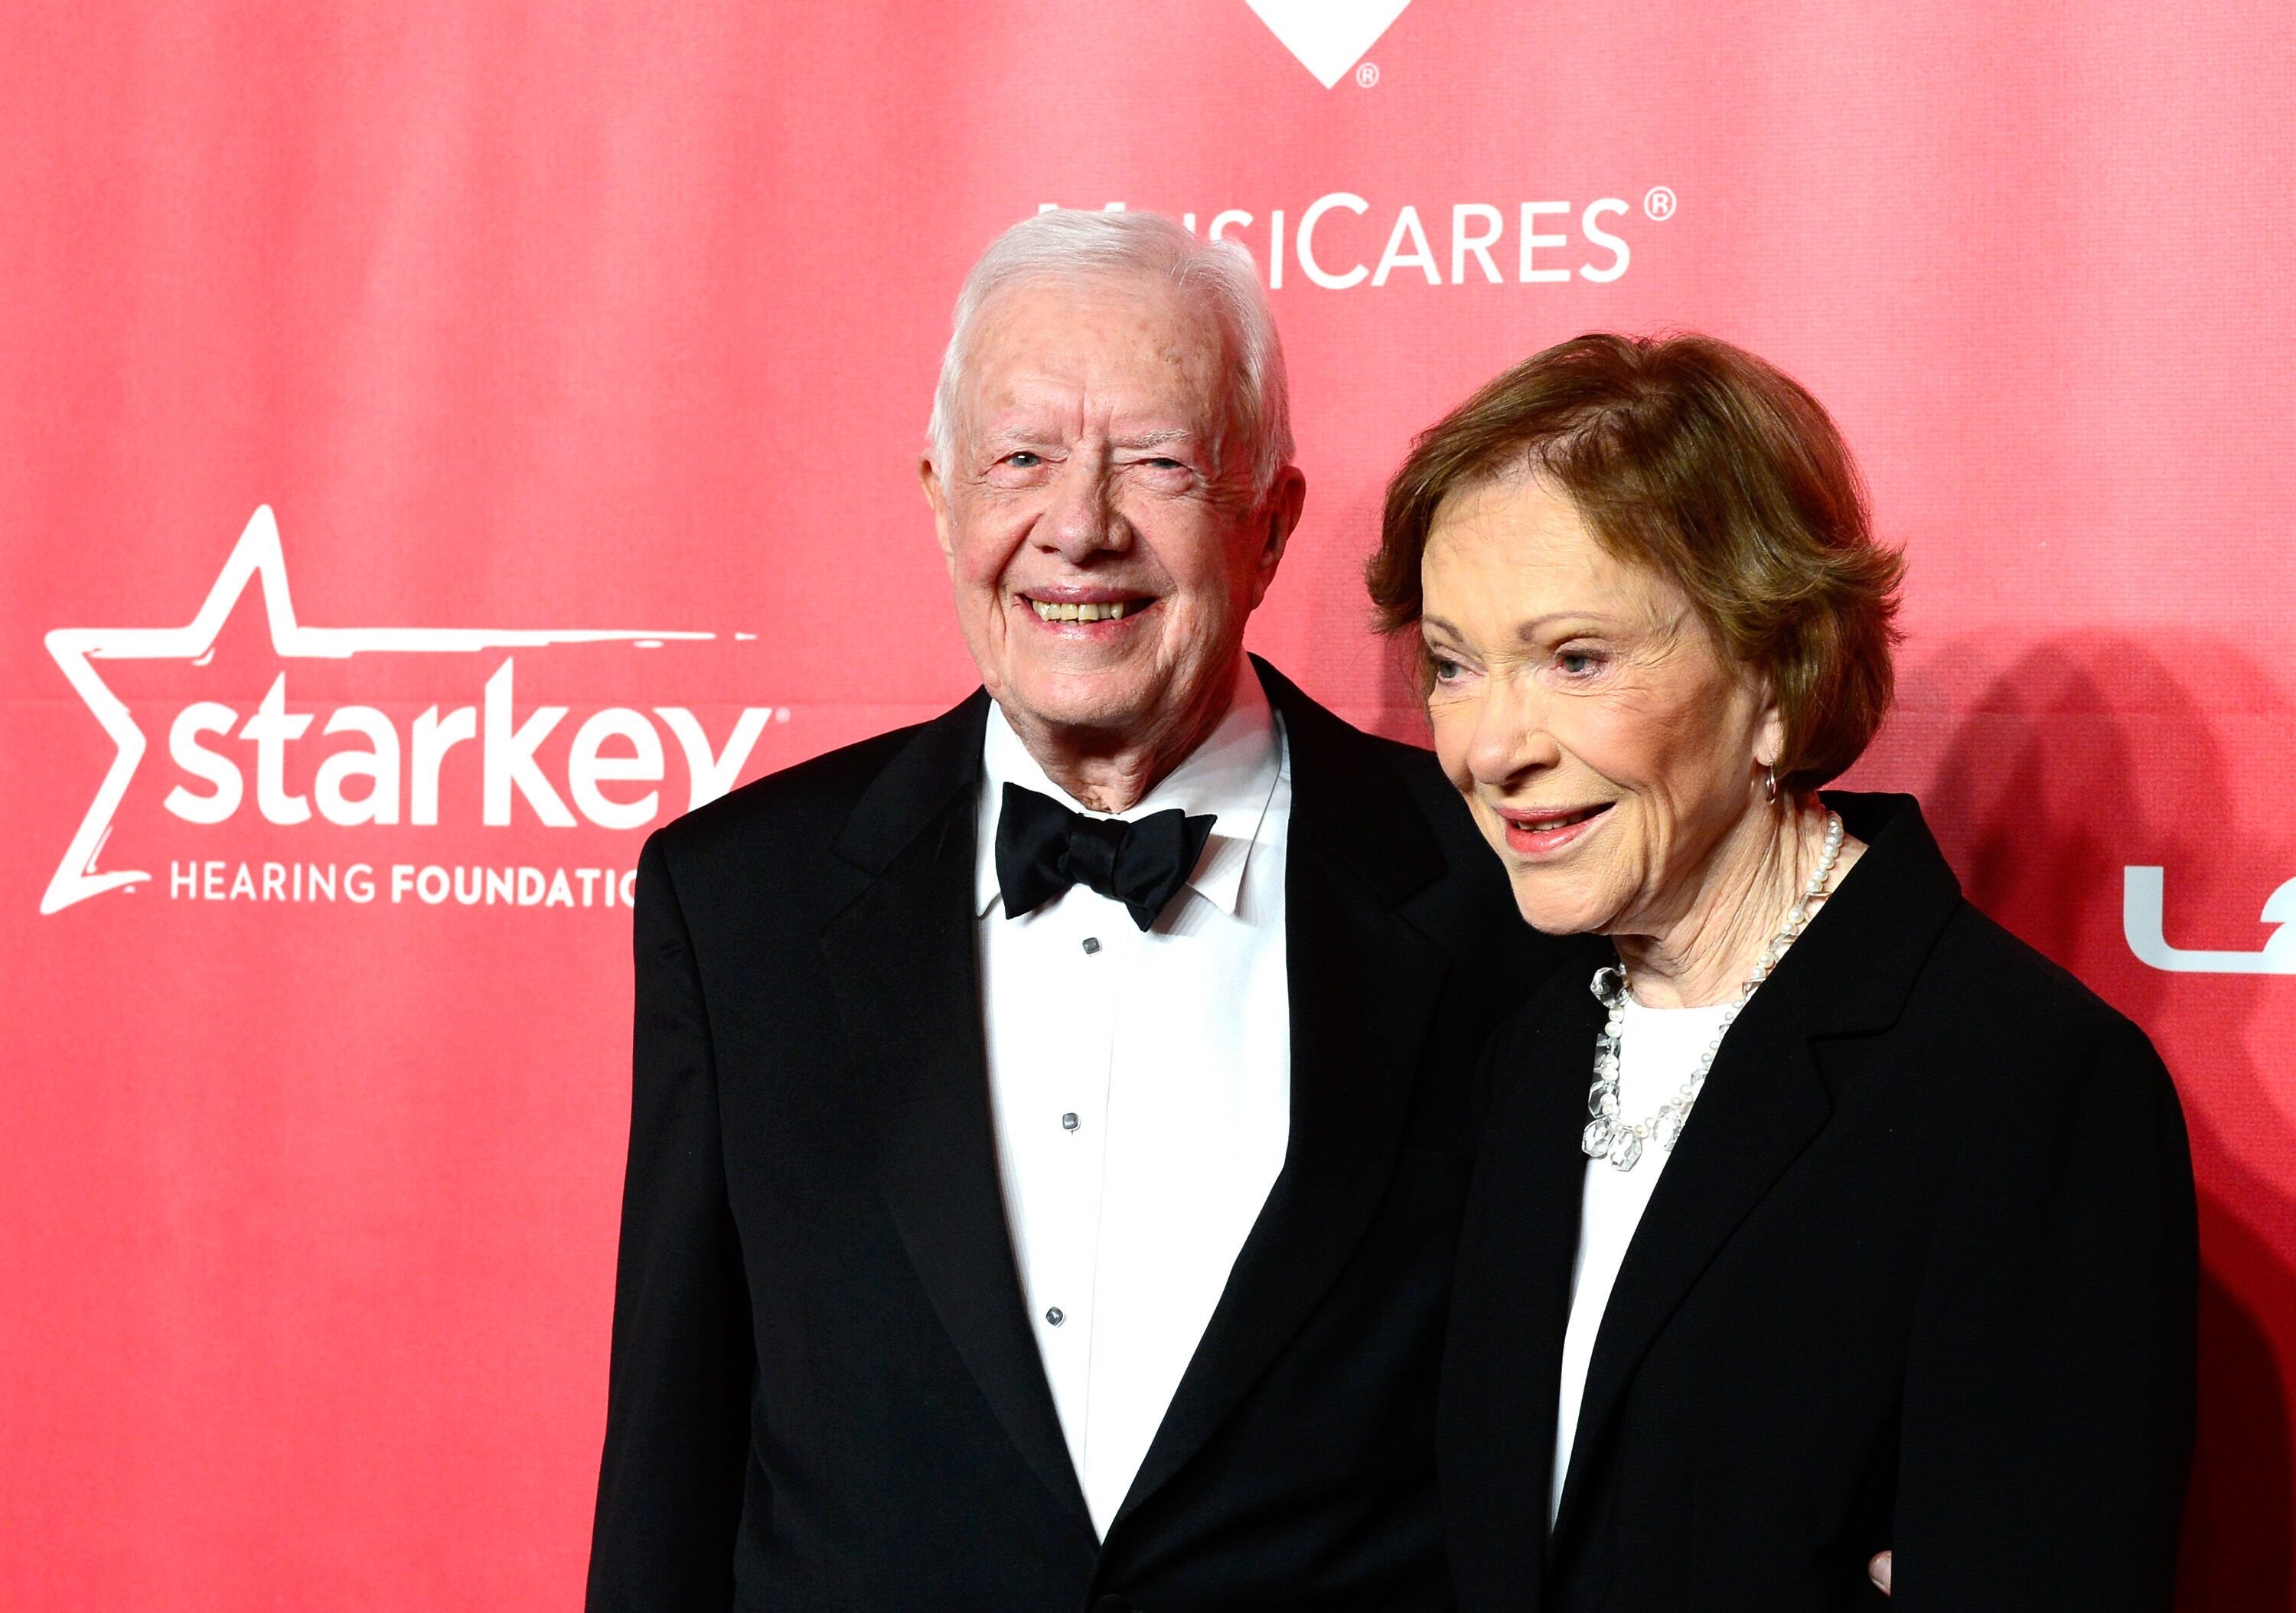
x=1657, y=202
x=1367, y=74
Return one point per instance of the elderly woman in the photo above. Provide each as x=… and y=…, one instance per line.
x=1817, y=1216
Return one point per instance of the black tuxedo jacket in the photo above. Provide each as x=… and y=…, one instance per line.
x=824, y=1389
x=1919, y=1275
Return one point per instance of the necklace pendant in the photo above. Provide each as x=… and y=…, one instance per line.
x=1666, y=1130
x=1608, y=1136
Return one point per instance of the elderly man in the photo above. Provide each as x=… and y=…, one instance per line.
x=1051, y=1123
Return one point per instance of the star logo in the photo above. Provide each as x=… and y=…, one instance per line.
x=1328, y=37
x=255, y=558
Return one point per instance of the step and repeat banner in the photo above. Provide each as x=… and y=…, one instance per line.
x=439, y=441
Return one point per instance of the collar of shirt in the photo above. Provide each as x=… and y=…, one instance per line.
x=1233, y=775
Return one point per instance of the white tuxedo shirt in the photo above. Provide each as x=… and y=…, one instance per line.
x=1141, y=1087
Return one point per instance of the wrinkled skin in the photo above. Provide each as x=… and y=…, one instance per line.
x=1096, y=465
x=1613, y=754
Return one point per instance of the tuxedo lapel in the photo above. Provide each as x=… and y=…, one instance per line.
x=908, y=985
x=1363, y=987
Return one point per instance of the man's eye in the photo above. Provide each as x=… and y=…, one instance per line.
x=1024, y=460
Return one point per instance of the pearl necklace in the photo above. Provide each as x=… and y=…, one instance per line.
x=1607, y=1137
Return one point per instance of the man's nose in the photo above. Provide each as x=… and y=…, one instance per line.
x=1083, y=519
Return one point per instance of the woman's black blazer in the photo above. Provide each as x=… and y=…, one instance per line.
x=1920, y=1275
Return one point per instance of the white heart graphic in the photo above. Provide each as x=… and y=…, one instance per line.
x=1329, y=37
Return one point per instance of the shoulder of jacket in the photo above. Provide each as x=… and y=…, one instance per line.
x=1422, y=780
x=798, y=808
x=1415, y=762
x=2017, y=1020
x=1980, y=961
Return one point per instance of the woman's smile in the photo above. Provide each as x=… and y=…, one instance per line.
x=1533, y=833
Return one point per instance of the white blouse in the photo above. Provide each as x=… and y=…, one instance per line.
x=1658, y=1050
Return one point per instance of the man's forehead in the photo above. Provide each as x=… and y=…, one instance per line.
x=1130, y=337
x=1089, y=294
x=1019, y=406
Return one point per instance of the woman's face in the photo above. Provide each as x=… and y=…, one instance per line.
x=1608, y=747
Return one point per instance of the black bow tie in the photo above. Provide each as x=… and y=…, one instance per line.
x=1043, y=848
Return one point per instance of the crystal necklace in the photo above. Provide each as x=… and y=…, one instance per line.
x=1607, y=1136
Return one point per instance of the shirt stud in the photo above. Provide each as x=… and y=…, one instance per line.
x=1069, y=1121
x=1091, y=943
x=1056, y=1316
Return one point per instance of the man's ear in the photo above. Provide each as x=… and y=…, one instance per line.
x=937, y=497
x=1279, y=515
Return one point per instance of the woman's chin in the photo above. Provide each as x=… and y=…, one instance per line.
x=1555, y=912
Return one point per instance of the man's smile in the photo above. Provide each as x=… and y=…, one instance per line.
x=1094, y=611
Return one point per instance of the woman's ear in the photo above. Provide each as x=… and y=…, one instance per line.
x=1769, y=730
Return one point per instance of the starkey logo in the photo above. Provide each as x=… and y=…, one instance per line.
x=377, y=771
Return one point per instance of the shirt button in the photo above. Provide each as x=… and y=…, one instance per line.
x=1091, y=943
x=1069, y=1121
x=1056, y=1316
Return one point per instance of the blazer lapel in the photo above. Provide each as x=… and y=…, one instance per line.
x=1764, y=1099
x=1363, y=986
x=908, y=985
x=1503, y=1362
x=1762, y=1104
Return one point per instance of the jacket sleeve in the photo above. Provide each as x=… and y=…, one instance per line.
x=2049, y=1385
x=670, y=1482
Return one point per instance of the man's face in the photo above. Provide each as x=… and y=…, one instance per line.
x=1099, y=523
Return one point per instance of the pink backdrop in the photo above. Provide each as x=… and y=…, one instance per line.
x=550, y=332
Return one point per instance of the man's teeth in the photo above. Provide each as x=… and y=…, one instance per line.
x=1111, y=611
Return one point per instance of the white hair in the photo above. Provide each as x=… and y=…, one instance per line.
x=1071, y=244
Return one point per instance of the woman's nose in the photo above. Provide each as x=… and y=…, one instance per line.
x=1511, y=737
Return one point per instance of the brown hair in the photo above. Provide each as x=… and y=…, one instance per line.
x=1711, y=467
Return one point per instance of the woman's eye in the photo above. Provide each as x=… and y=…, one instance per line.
x=1443, y=669
x=1578, y=663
